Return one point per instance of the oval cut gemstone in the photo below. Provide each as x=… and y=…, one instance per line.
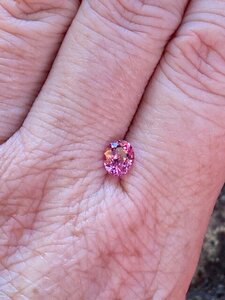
x=118, y=157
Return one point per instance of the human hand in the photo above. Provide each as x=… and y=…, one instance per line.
x=69, y=230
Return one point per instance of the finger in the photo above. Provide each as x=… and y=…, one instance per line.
x=100, y=73
x=30, y=35
x=178, y=134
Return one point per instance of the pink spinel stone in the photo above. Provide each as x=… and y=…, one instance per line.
x=118, y=158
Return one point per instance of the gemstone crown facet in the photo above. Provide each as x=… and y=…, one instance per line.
x=118, y=157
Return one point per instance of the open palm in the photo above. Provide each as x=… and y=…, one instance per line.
x=67, y=229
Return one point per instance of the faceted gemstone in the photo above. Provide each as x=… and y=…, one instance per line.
x=118, y=157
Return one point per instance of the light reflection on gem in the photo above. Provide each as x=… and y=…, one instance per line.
x=118, y=157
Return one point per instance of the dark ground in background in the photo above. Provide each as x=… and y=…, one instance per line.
x=209, y=280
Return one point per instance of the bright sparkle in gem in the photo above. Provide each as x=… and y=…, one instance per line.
x=118, y=157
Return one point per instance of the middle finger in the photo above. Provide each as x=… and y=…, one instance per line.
x=105, y=62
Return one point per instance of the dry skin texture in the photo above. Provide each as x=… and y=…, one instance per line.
x=68, y=230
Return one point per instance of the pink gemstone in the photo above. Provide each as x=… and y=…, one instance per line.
x=118, y=158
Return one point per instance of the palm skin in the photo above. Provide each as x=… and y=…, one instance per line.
x=68, y=230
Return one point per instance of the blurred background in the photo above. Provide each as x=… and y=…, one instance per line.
x=209, y=280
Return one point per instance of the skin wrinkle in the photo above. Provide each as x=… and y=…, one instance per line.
x=203, y=61
x=191, y=191
x=202, y=16
x=126, y=251
x=162, y=256
x=43, y=191
x=122, y=49
x=202, y=58
x=159, y=169
x=20, y=41
x=81, y=105
x=130, y=12
x=100, y=233
x=162, y=166
x=18, y=231
x=20, y=11
x=79, y=212
x=184, y=90
x=216, y=25
x=128, y=58
x=157, y=271
x=204, y=89
x=131, y=35
x=132, y=226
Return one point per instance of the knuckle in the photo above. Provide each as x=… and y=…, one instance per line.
x=195, y=60
x=139, y=17
x=30, y=9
